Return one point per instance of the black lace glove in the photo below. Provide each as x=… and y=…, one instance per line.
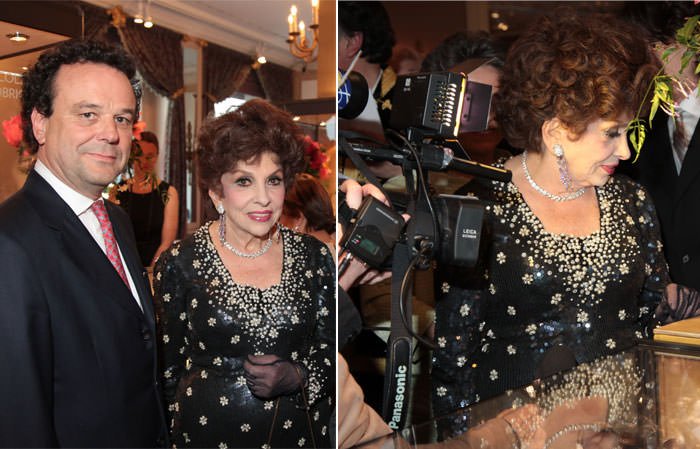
x=269, y=376
x=678, y=303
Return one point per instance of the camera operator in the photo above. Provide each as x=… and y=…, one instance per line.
x=365, y=42
x=357, y=422
x=481, y=57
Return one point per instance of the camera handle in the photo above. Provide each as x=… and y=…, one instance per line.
x=397, y=376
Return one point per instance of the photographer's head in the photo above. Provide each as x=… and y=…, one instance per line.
x=463, y=47
x=480, y=57
x=364, y=26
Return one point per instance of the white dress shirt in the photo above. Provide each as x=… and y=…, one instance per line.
x=81, y=205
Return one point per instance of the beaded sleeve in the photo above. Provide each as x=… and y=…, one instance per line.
x=655, y=267
x=170, y=291
x=318, y=358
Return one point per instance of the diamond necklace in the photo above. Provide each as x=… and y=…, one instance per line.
x=222, y=238
x=541, y=191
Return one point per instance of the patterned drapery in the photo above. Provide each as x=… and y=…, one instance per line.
x=277, y=82
x=224, y=72
x=158, y=55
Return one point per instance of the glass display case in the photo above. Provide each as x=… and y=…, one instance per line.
x=645, y=397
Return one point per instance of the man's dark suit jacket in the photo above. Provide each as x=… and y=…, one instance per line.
x=77, y=356
x=676, y=197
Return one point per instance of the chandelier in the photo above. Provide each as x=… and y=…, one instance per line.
x=299, y=45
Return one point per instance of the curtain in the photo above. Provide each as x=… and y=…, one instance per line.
x=224, y=72
x=97, y=24
x=158, y=56
x=276, y=82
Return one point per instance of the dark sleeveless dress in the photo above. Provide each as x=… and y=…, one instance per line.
x=146, y=213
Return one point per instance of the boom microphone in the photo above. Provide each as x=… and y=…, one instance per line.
x=352, y=95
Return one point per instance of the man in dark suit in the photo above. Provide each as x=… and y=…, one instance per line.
x=77, y=324
x=669, y=162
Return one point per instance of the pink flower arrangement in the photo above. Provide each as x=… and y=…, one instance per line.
x=12, y=131
x=317, y=161
x=13, y=134
x=138, y=128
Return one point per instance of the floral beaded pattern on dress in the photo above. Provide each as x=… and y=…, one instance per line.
x=593, y=294
x=211, y=323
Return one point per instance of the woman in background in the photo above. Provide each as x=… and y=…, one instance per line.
x=308, y=209
x=245, y=304
x=152, y=204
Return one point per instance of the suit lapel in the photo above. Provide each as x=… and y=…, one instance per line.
x=88, y=258
x=133, y=262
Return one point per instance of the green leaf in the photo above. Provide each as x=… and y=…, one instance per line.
x=685, y=34
x=668, y=52
x=654, y=106
x=686, y=58
x=637, y=136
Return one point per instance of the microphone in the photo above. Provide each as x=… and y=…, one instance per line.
x=352, y=94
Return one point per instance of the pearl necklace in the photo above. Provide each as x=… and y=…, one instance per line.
x=541, y=191
x=222, y=238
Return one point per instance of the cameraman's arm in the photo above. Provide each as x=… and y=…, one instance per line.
x=357, y=271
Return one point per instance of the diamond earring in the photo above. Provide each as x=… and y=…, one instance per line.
x=564, y=175
x=220, y=208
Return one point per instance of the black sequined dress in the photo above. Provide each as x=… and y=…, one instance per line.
x=595, y=295
x=210, y=324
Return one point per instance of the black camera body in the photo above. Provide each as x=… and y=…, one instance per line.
x=374, y=230
x=427, y=110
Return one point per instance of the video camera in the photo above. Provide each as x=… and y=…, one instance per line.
x=426, y=114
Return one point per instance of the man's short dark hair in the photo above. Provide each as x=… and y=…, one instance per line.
x=370, y=19
x=38, y=86
x=659, y=20
x=461, y=46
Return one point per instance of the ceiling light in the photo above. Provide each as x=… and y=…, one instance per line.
x=502, y=26
x=24, y=67
x=322, y=124
x=262, y=59
x=495, y=15
x=148, y=23
x=138, y=19
x=17, y=37
x=296, y=118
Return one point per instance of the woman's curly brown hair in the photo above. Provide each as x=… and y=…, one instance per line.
x=576, y=67
x=244, y=135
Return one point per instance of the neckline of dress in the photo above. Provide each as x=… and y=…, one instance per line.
x=221, y=267
x=598, y=191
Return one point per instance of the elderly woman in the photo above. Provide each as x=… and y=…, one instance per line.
x=247, y=328
x=575, y=262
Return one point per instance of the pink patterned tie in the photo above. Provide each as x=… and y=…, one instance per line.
x=111, y=249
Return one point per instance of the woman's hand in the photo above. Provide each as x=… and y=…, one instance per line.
x=269, y=376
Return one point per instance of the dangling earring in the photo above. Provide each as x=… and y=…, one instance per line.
x=222, y=220
x=564, y=175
